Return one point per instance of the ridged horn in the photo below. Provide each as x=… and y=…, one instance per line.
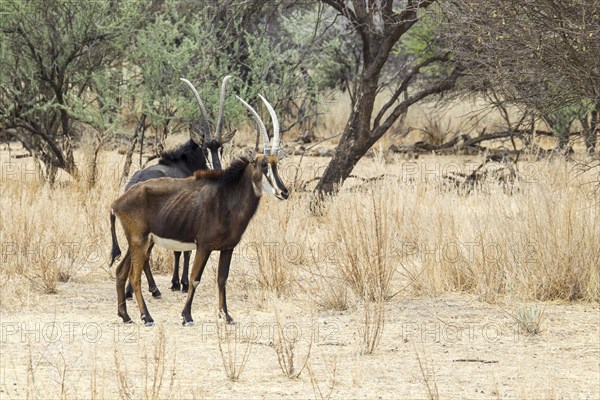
x=221, y=111
x=261, y=127
x=276, y=135
x=203, y=113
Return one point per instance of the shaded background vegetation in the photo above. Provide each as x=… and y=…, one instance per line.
x=104, y=66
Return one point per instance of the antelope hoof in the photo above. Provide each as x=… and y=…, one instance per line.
x=187, y=319
x=185, y=287
x=227, y=317
x=148, y=321
x=128, y=295
x=156, y=293
x=176, y=287
x=126, y=318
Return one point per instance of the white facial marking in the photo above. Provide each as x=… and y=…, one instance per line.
x=266, y=185
x=173, y=245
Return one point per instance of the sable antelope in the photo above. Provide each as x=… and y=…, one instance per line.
x=182, y=163
x=207, y=212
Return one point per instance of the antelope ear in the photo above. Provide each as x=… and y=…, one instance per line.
x=196, y=136
x=282, y=153
x=228, y=136
x=248, y=153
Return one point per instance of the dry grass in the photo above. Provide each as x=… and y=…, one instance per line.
x=275, y=244
x=363, y=226
x=403, y=232
x=291, y=358
x=50, y=235
x=158, y=373
x=155, y=381
x=330, y=293
x=234, y=349
x=122, y=376
x=323, y=384
x=377, y=244
x=429, y=379
x=372, y=326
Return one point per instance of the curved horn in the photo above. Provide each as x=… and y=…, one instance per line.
x=203, y=114
x=261, y=127
x=276, y=136
x=221, y=110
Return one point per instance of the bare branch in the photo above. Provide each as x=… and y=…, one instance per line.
x=396, y=25
x=439, y=87
x=405, y=83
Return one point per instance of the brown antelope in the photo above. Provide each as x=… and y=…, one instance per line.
x=181, y=163
x=209, y=211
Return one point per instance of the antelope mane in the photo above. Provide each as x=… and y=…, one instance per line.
x=228, y=176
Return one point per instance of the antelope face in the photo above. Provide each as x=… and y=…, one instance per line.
x=267, y=162
x=271, y=182
x=215, y=149
x=212, y=145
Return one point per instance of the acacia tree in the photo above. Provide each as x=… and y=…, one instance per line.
x=50, y=51
x=380, y=25
x=542, y=55
x=203, y=42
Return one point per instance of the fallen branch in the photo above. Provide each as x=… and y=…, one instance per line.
x=475, y=360
x=465, y=144
x=18, y=156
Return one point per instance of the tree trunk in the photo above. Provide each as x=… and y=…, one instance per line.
x=591, y=134
x=378, y=41
x=341, y=165
x=127, y=166
x=67, y=144
x=355, y=141
x=359, y=135
x=93, y=175
x=70, y=165
x=352, y=147
x=143, y=132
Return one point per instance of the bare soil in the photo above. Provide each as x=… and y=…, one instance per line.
x=69, y=344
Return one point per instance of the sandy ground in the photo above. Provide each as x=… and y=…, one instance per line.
x=73, y=345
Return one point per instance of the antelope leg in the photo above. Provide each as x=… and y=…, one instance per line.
x=223, y=273
x=199, y=263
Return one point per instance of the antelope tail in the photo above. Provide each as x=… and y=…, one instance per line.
x=116, y=251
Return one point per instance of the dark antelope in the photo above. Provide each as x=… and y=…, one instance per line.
x=182, y=163
x=207, y=212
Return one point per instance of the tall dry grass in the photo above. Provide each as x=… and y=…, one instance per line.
x=234, y=354
x=362, y=228
x=539, y=243
x=373, y=323
x=323, y=383
x=275, y=246
x=407, y=233
x=50, y=235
